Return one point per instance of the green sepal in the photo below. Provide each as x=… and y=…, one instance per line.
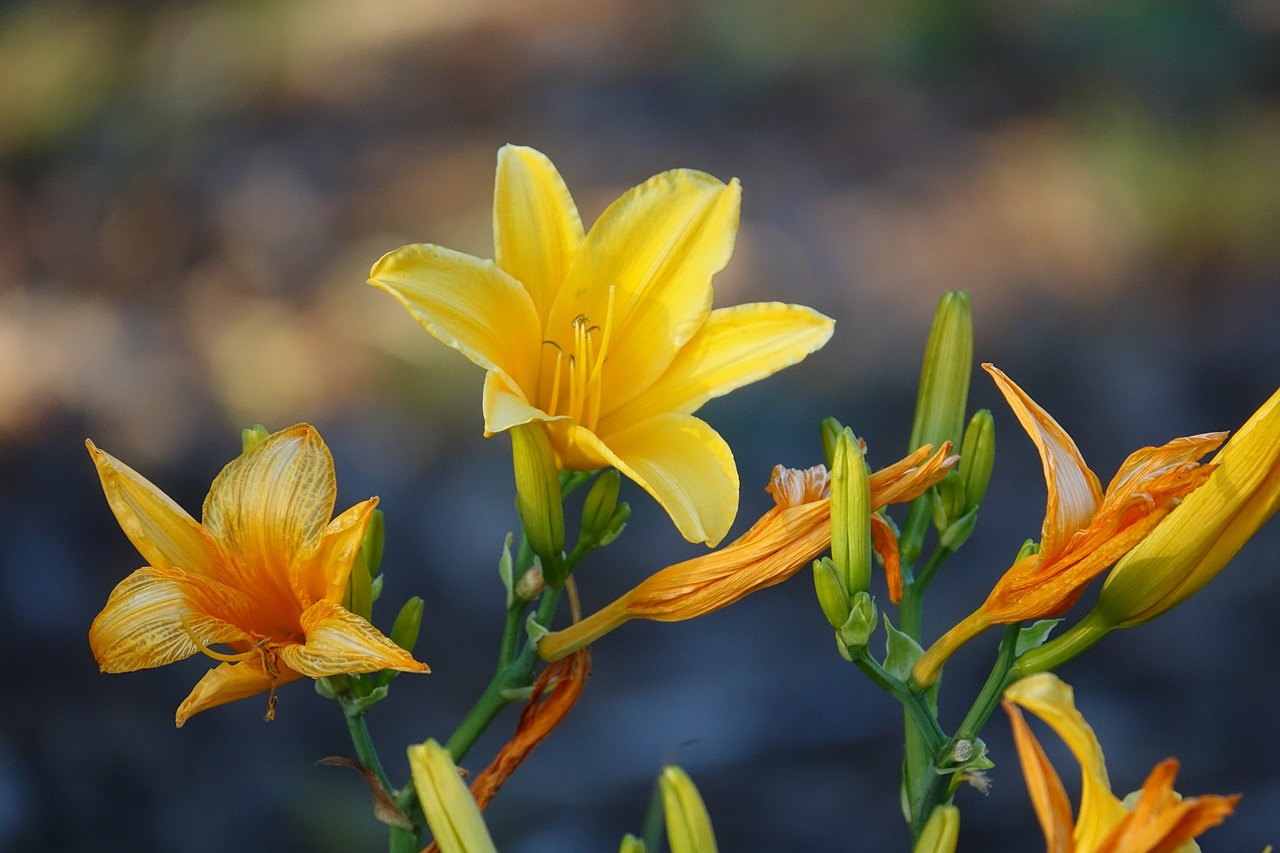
x=958, y=532
x=856, y=631
x=535, y=629
x=900, y=652
x=359, y=704
x=1033, y=636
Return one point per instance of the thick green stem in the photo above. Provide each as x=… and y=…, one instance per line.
x=400, y=840
x=916, y=703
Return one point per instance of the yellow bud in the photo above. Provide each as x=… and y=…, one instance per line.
x=1192, y=544
x=688, y=824
x=851, y=514
x=941, y=832
x=538, y=496
x=451, y=812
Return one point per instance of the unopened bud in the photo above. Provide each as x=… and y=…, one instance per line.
x=977, y=458
x=538, y=496
x=856, y=631
x=597, y=510
x=832, y=596
x=944, y=378
x=851, y=514
x=359, y=595
x=831, y=430
x=1028, y=548
x=631, y=844
x=374, y=536
x=688, y=824
x=617, y=524
x=941, y=832
x=251, y=437
x=404, y=632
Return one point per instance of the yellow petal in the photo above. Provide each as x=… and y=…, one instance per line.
x=228, y=682
x=536, y=227
x=1074, y=491
x=141, y=625
x=1052, y=700
x=506, y=407
x=735, y=347
x=683, y=463
x=451, y=812
x=268, y=509
x=164, y=534
x=324, y=575
x=468, y=304
x=658, y=247
x=340, y=642
x=1044, y=785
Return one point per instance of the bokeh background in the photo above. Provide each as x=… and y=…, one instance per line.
x=191, y=195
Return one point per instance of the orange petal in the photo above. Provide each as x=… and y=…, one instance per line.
x=1048, y=796
x=885, y=542
x=1074, y=491
x=228, y=682
x=141, y=625
x=339, y=642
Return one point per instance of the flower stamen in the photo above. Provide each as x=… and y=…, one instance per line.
x=204, y=648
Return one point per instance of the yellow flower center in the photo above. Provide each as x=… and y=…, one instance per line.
x=576, y=377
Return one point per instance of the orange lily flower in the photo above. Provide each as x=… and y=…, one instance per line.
x=1085, y=529
x=264, y=574
x=786, y=538
x=1153, y=819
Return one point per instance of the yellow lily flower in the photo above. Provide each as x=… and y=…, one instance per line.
x=264, y=574
x=609, y=338
x=1155, y=819
x=786, y=538
x=1085, y=529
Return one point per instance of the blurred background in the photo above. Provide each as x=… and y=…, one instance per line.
x=191, y=195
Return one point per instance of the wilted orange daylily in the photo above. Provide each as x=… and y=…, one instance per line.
x=1154, y=819
x=1085, y=530
x=264, y=574
x=609, y=338
x=786, y=538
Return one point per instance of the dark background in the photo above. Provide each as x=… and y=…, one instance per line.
x=191, y=195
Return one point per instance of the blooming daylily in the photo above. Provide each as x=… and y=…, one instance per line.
x=609, y=338
x=264, y=573
x=1085, y=529
x=794, y=531
x=1153, y=819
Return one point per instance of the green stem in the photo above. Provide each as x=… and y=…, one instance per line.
x=366, y=753
x=1073, y=642
x=916, y=703
x=496, y=696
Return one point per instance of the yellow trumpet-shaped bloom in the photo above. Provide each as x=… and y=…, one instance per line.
x=608, y=337
x=264, y=574
x=1155, y=820
x=1085, y=529
x=786, y=538
x=1192, y=545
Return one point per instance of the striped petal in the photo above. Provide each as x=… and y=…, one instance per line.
x=656, y=248
x=1074, y=491
x=536, y=227
x=324, y=575
x=735, y=347
x=164, y=534
x=682, y=462
x=141, y=625
x=468, y=304
x=269, y=508
x=228, y=682
x=339, y=642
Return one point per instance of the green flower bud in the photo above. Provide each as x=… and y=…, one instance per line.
x=688, y=824
x=856, y=631
x=851, y=514
x=944, y=378
x=249, y=438
x=538, y=497
x=404, y=632
x=977, y=458
x=941, y=832
x=950, y=503
x=617, y=524
x=631, y=844
x=452, y=814
x=832, y=596
x=602, y=500
x=371, y=546
x=359, y=595
x=831, y=430
x=1028, y=548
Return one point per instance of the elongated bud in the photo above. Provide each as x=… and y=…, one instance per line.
x=831, y=430
x=451, y=812
x=941, y=832
x=944, y=379
x=538, y=497
x=617, y=524
x=359, y=595
x=851, y=514
x=688, y=824
x=404, y=632
x=977, y=458
x=251, y=437
x=371, y=546
x=832, y=596
x=597, y=510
